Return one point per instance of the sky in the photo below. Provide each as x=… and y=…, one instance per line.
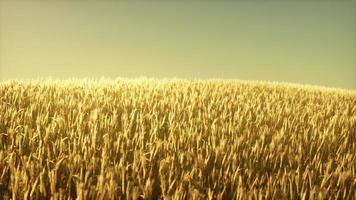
x=307, y=42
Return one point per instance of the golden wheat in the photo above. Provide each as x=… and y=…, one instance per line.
x=175, y=139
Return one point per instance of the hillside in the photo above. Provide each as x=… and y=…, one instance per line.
x=178, y=139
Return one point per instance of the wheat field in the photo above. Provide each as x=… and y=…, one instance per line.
x=176, y=139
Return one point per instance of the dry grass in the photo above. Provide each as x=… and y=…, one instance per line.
x=175, y=139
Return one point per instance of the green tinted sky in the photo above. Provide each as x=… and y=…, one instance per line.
x=310, y=42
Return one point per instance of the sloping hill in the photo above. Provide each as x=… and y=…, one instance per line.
x=202, y=139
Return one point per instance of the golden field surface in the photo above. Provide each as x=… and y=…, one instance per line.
x=176, y=139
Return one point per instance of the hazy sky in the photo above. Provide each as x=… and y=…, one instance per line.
x=311, y=42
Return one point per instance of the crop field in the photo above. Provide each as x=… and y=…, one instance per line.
x=176, y=139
